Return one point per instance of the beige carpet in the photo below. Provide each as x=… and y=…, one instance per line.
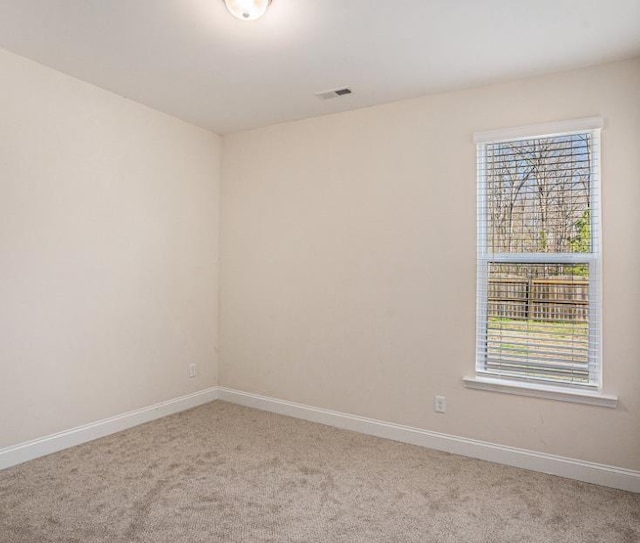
x=222, y=472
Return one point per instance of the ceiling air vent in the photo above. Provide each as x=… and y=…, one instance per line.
x=333, y=93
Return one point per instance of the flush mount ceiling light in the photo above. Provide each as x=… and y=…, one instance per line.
x=247, y=10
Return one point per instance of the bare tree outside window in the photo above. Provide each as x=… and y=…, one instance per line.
x=538, y=195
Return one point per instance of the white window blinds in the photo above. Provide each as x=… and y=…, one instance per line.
x=539, y=254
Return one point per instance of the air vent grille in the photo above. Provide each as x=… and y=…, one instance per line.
x=333, y=93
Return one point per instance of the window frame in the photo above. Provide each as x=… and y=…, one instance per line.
x=486, y=379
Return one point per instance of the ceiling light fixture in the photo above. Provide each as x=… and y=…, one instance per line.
x=247, y=10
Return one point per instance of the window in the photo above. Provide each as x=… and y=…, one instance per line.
x=539, y=301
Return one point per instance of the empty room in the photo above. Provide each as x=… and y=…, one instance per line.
x=319, y=271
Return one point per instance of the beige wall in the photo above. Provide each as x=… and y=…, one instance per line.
x=108, y=253
x=348, y=263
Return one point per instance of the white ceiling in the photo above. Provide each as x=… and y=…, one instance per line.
x=192, y=59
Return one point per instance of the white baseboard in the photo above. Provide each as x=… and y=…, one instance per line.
x=16, y=454
x=590, y=472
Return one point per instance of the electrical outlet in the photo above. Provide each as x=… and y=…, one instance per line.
x=192, y=370
x=440, y=404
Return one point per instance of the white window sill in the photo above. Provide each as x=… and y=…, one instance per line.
x=542, y=391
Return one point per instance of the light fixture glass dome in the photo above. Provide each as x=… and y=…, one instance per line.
x=247, y=10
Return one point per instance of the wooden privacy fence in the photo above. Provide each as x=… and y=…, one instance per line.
x=539, y=299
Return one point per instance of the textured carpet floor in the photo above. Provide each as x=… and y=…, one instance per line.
x=221, y=472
